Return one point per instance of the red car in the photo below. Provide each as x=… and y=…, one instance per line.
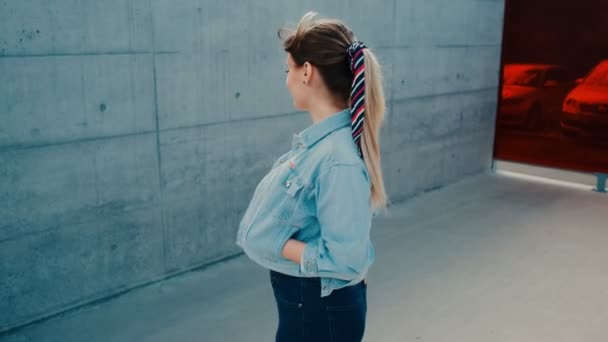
x=585, y=109
x=532, y=94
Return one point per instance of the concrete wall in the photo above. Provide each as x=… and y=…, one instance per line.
x=133, y=133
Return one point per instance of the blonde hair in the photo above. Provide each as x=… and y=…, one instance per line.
x=323, y=43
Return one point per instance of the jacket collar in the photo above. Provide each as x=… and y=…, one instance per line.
x=318, y=130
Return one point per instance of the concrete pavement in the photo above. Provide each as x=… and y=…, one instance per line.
x=490, y=258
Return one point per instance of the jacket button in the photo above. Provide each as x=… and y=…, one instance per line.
x=288, y=184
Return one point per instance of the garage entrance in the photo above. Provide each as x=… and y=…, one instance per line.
x=553, y=105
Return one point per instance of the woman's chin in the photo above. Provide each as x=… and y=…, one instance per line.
x=299, y=106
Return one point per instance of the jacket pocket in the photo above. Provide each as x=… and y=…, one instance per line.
x=287, y=292
x=291, y=190
x=281, y=240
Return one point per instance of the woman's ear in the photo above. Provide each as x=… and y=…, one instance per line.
x=307, y=71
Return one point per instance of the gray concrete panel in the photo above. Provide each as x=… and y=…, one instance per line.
x=47, y=100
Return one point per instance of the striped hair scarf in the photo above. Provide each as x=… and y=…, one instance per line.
x=357, y=94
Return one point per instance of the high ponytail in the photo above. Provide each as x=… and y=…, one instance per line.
x=324, y=43
x=374, y=117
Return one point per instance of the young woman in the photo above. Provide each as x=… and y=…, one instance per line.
x=309, y=219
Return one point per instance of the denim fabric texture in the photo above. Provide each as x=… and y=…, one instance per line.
x=318, y=192
x=306, y=317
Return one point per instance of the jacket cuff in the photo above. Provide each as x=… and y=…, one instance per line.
x=302, y=264
x=308, y=263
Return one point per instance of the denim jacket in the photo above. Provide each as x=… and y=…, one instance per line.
x=319, y=192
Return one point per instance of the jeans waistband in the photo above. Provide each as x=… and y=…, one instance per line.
x=294, y=278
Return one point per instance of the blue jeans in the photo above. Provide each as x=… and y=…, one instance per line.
x=306, y=316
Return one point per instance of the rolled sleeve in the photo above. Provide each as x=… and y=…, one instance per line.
x=344, y=213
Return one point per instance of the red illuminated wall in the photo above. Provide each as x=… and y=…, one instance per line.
x=544, y=41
